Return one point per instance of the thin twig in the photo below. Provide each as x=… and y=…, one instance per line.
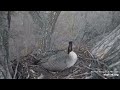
x=90, y=53
x=86, y=73
x=3, y=74
x=3, y=70
x=27, y=71
x=100, y=62
x=16, y=70
x=96, y=59
x=114, y=64
x=94, y=70
x=34, y=56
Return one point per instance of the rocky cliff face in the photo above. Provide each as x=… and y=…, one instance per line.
x=26, y=33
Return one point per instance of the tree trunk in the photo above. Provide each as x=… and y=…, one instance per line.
x=46, y=22
x=108, y=49
x=4, y=35
x=54, y=17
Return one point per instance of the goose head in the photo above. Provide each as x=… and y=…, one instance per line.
x=72, y=55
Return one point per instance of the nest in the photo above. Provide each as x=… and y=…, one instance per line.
x=87, y=67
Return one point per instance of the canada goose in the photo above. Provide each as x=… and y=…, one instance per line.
x=61, y=60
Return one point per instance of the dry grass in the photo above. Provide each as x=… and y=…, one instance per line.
x=87, y=67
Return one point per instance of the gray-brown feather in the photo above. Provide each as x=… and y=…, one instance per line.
x=56, y=62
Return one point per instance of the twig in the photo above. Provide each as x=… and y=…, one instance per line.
x=27, y=71
x=90, y=53
x=97, y=59
x=68, y=77
x=94, y=70
x=16, y=70
x=3, y=74
x=34, y=56
x=86, y=73
x=115, y=64
x=101, y=62
x=2, y=69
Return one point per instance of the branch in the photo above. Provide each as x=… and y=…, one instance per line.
x=16, y=69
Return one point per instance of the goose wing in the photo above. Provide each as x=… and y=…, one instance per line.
x=56, y=62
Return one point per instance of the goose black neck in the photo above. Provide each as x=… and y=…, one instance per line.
x=70, y=47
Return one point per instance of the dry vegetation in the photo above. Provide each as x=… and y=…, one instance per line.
x=87, y=67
